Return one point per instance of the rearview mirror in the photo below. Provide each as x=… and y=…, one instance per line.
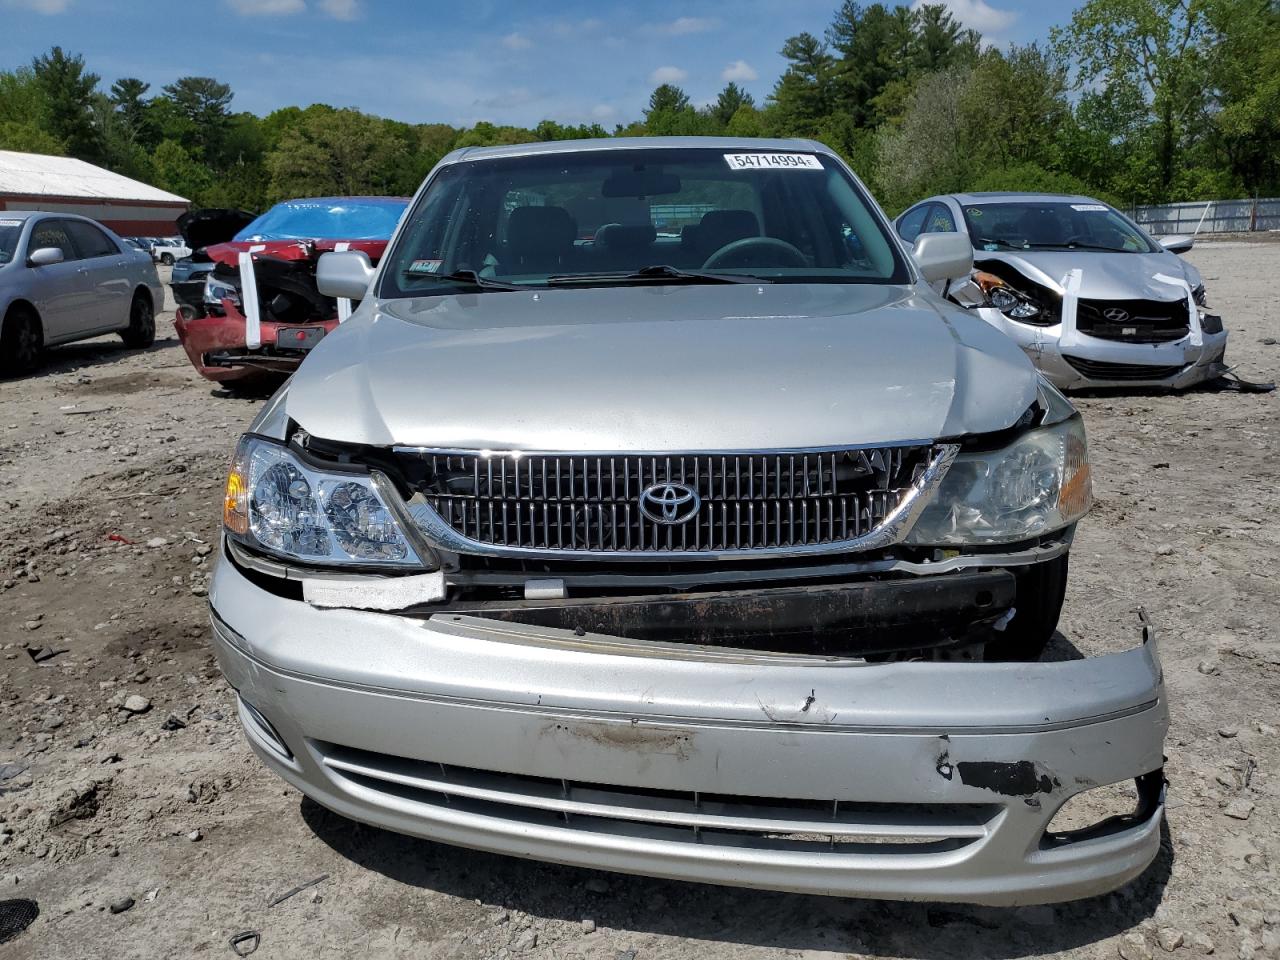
x=346, y=274
x=1177, y=244
x=640, y=183
x=46, y=257
x=943, y=256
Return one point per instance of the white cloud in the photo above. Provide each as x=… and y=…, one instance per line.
x=684, y=25
x=516, y=41
x=603, y=111
x=978, y=14
x=46, y=7
x=341, y=9
x=739, y=72
x=267, y=8
x=668, y=75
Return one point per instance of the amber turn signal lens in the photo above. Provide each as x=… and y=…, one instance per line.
x=235, y=502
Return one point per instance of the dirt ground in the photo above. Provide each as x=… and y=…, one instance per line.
x=111, y=463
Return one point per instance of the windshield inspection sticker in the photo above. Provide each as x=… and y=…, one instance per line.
x=772, y=161
x=10, y=223
x=425, y=266
x=1090, y=207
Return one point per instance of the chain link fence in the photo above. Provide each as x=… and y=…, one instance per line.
x=1209, y=216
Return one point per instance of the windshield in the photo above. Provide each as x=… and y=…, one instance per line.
x=599, y=217
x=1054, y=225
x=339, y=218
x=10, y=230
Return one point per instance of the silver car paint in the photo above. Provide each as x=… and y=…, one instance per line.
x=741, y=367
x=745, y=366
x=598, y=710
x=77, y=299
x=1104, y=276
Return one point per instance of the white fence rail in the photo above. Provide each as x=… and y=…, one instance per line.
x=1209, y=216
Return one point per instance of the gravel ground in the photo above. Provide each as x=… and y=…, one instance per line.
x=125, y=783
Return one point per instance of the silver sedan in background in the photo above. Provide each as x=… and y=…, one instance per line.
x=66, y=278
x=1083, y=290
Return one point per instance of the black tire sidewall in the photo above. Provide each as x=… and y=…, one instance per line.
x=19, y=343
x=142, y=324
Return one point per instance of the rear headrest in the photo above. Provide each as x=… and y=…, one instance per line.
x=532, y=229
x=726, y=226
x=626, y=236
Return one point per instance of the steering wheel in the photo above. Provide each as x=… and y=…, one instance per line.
x=756, y=252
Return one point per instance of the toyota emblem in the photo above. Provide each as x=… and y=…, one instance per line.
x=669, y=503
x=1116, y=314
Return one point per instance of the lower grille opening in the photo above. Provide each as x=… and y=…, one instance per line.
x=1101, y=370
x=865, y=618
x=765, y=823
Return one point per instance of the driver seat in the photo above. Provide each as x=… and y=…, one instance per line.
x=720, y=227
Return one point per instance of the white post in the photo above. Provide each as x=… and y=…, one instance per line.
x=1207, y=205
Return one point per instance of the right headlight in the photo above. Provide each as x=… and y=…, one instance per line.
x=278, y=504
x=1038, y=484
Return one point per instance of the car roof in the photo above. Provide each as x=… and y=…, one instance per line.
x=1011, y=196
x=630, y=143
x=398, y=201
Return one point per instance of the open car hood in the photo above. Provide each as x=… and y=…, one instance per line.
x=200, y=228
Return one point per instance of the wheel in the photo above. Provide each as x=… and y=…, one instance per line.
x=166, y=259
x=21, y=340
x=141, y=331
x=1038, y=597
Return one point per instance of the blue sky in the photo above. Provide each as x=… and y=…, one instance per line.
x=457, y=63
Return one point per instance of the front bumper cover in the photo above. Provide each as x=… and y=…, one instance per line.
x=216, y=346
x=1175, y=365
x=904, y=780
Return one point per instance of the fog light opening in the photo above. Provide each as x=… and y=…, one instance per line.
x=263, y=728
x=1102, y=811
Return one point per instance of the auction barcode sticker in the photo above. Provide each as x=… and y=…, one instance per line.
x=772, y=161
x=1090, y=207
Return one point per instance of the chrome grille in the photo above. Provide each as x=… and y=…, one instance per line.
x=591, y=503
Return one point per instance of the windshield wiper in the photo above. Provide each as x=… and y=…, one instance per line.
x=659, y=271
x=469, y=277
x=1075, y=246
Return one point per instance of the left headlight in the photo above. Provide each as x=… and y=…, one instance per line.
x=1038, y=484
x=1012, y=303
x=277, y=503
x=215, y=291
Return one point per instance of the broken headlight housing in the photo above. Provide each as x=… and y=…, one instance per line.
x=1039, y=483
x=279, y=504
x=215, y=291
x=1012, y=303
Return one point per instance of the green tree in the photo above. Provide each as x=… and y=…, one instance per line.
x=127, y=96
x=932, y=150
x=202, y=102
x=1152, y=52
x=803, y=95
x=1245, y=73
x=177, y=171
x=731, y=99
x=671, y=115
x=68, y=102
x=340, y=152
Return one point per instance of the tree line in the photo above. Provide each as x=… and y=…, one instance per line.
x=1136, y=101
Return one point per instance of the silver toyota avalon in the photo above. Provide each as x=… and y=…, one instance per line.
x=1092, y=299
x=652, y=513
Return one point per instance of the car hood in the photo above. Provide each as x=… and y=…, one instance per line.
x=1103, y=276
x=662, y=368
x=200, y=228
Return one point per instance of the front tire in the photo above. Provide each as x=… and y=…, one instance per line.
x=1038, y=597
x=21, y=340
x=141, y=332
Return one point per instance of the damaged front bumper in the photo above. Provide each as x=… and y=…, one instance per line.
x=217, y=345
x=1073, y=360
x=807, y=773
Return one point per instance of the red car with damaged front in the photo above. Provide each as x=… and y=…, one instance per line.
x=248, y=307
